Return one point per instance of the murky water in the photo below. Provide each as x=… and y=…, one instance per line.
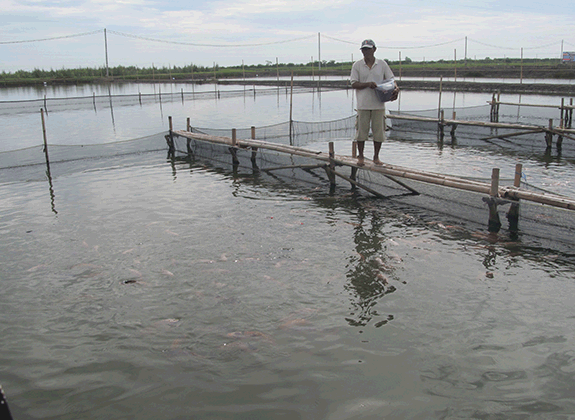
x=148, y=289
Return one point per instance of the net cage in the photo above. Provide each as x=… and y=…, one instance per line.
x=516, y=138
x=548, y=224
x=106, y=101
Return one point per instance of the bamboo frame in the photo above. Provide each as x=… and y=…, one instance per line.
x=395, y=171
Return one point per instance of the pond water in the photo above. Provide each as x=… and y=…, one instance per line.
x=137, y=287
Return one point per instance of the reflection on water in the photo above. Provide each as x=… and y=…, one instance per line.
x=369, y=273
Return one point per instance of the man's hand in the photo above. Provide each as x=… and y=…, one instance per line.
x=359, y=85
x=395, y=94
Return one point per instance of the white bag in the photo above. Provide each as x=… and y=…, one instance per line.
x=385, y=90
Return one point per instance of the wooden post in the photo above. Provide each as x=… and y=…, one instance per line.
x=330, y=171
x=455, y=63
x=440, y=89
x=494, y=182
x=494, y=223
x=497, y=106
x=354, y=169
x=570, y=120
x=518, y=172
x=312, y=74
x=441, y=125
x=44, y=135
x=188, y=125
x=549, y=135
x=513, y=213
x=170, y=139
x=94, y=99
x=233, y=149
x=182, y=95
x=254, y=150
x=453, y=126
x=492, y=112
x=45, y=107
x=521, y=74
x=140, y=97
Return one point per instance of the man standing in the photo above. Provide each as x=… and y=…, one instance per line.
x=366, y=74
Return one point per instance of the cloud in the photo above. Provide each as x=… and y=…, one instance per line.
x=253, y=7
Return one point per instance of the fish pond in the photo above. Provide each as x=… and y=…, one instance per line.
x=140, y=287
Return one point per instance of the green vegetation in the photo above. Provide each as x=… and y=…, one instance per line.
x=505, y=67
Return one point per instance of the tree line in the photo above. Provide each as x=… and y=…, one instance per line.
x=204, y=72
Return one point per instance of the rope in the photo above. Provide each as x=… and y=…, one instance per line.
x=53, y=38
x=208, y=45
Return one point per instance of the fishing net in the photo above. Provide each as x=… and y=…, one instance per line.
x=305, y=173
x=99, y=102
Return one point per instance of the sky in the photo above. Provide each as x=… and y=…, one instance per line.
x=226, y=33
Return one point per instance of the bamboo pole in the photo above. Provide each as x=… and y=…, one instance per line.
x=518, y=172
x=44, y=135
x=464, y=122
x=291, y=110
x=254, y=149
x=497, y=105
x=494, y=192
x=331, y=167
x=455, y=63
x=549, y=135
x=440, y=90
x=521, y=77
x=532, y=105
x=519, y=133
x=302, y=166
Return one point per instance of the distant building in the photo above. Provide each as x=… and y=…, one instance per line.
x=568, y=56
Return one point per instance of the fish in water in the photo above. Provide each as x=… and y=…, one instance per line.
x=294, y=323
x=382, y=278
x=250, y=334
x=382, y=266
